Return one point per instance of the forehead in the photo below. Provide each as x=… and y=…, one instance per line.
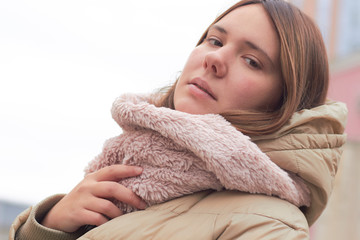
x=252, y=23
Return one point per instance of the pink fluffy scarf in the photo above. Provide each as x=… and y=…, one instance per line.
x=184, y=153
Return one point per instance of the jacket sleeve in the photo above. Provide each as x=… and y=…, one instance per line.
x=27, y=226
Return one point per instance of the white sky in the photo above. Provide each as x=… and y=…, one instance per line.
x=62, y=63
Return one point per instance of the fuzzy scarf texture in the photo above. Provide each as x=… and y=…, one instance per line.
x=183, y=153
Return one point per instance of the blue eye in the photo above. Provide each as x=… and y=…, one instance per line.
x=252, y=63
x=215, y=42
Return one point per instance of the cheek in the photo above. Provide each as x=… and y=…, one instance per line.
x=192, y=65
x=195, y=60
x=238, y=94
x=244, y=88
x=251, y=94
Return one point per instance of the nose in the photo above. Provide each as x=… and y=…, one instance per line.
x=214, y=63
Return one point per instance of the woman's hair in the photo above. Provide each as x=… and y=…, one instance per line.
x=304, y=69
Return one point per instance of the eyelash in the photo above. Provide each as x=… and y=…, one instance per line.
x=214, y=41
x=251, y=62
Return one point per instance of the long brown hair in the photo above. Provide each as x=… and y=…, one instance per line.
x=304, y=69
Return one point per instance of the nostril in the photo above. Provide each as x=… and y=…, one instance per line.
x=214, y=68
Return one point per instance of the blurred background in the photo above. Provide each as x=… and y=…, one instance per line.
x=62, y=63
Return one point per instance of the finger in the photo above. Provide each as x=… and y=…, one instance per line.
x=118, y=192
x=104, y=207
x=116, y=172
x=73, y=223
x=93, y=218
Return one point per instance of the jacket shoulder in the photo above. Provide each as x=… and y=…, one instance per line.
x=210, y=215
x=254, y=216
x=310, y=145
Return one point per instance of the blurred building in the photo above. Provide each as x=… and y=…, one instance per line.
x=339, y=22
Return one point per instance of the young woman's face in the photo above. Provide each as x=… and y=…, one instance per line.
x=235, y=68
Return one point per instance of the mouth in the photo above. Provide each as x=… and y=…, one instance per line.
x=203, y=86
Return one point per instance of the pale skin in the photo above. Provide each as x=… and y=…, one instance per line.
x=236, y=67
x=238, y=63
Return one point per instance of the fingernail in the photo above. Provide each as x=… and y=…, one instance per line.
x=138, y=170
x=143, y=205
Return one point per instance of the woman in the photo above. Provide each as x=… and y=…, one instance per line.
x=262, y=65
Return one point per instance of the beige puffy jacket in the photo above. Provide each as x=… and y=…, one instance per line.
x=309, y=145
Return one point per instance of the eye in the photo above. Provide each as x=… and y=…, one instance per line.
x=214, y=41
x=252, y=63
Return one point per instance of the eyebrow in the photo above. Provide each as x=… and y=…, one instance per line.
x=248, y=43
x=257, y=48
x=217, y=27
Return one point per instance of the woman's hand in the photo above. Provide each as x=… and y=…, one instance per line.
x=88, y=203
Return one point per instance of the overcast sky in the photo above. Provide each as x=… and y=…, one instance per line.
x=62, y=63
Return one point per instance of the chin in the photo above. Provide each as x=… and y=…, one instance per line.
x=186, y=107
x=192, y=108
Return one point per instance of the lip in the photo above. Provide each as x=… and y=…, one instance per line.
x=204, y=86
